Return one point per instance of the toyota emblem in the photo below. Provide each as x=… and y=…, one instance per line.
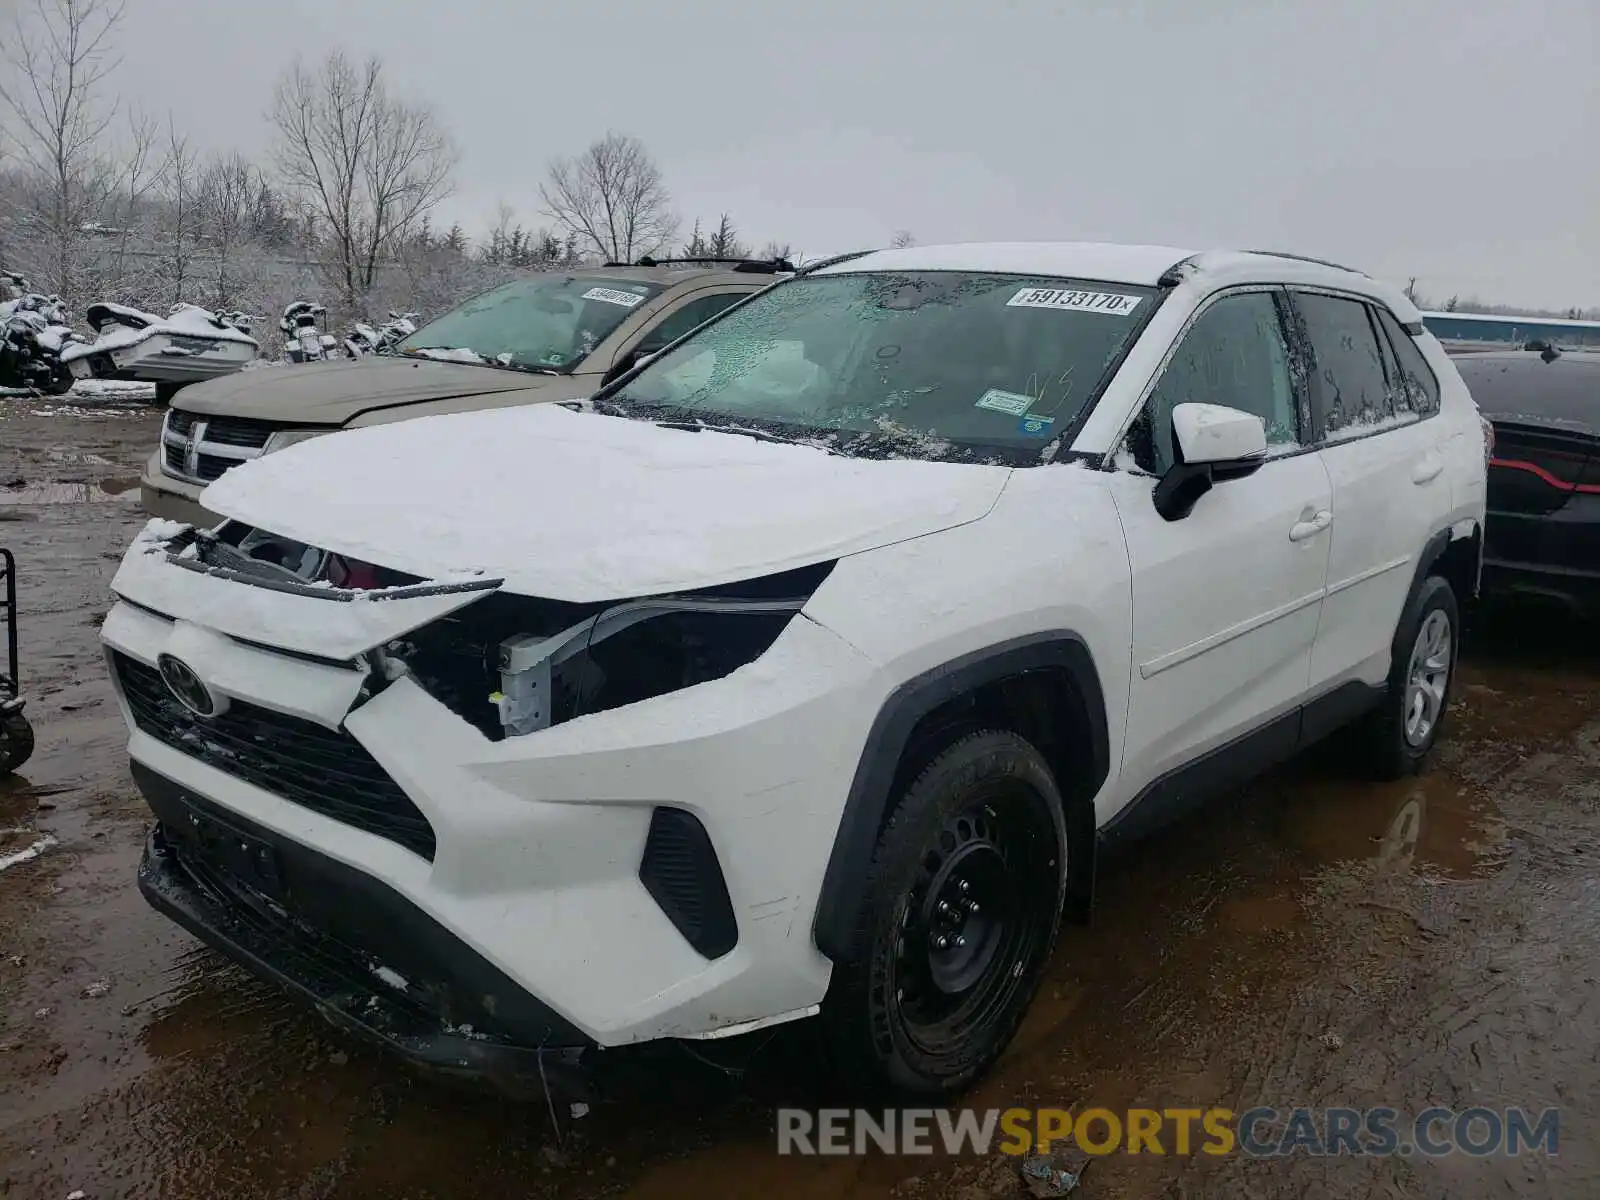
x=187, y=688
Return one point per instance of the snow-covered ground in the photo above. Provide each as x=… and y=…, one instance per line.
x=95, y=389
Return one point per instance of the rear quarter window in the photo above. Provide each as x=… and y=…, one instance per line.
x=1418, y=385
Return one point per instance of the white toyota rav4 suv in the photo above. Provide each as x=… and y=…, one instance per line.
x=803, y=669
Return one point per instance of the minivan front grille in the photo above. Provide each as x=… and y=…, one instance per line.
x=320, y=769
x=200, y=448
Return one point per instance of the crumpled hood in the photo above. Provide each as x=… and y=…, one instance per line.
x=331, y=393
x=583, y=507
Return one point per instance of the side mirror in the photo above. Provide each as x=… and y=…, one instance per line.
x=1214, y=444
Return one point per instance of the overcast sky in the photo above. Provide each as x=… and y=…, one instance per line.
x=1451, y=141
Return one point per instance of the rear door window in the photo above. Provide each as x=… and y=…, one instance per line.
x=691, y=316
x=1349, y=386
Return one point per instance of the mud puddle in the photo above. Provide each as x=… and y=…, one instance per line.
x=1313, y=940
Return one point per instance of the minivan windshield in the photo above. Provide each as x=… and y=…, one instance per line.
x=547, y=323
x=948, y=365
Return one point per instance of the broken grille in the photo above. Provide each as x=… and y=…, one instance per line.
x=324, y=770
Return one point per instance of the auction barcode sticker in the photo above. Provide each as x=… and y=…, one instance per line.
x=1097, y=302
x=612, y=296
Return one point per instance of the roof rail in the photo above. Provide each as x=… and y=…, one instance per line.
x=833, y=260
x=1173, y=275
x=1306, y=258
x=759, y=266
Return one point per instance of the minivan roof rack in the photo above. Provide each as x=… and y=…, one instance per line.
x=833, y=260
x=755, y=266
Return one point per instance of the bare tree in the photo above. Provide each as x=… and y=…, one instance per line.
x=370, y=165
x=58, y=54
x=141, y=173
x=180, y=190
x=902, y=239
x=611, y=197
x=229, y=187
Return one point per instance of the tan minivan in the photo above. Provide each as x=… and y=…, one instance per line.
x=553, y=336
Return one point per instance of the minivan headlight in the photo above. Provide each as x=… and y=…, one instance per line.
x=290, y=437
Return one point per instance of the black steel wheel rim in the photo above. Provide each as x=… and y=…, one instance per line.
x=975, y=919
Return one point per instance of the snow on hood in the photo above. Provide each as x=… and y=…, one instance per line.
x=331, y=393
x=583, y=507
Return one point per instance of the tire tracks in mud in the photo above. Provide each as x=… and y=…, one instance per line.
x=1495, y=1002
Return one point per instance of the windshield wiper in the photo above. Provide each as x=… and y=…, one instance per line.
x=457, y=354
x=676, y=416
x=695, y=425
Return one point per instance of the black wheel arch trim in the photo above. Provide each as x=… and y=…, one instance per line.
x=871, y=788
x=1432, y=551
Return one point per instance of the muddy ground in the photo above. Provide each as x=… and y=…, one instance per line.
x=1315, y=940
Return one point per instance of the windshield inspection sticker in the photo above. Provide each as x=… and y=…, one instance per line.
x=612, y=296
x=1034, y=425
x=1109, y=303
x=1011, y=403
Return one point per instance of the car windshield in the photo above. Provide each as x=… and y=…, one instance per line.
x=943, y=365
x=548, y=323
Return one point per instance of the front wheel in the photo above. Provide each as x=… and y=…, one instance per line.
x=1400, y=733
x=960, y=912
x=16, y=742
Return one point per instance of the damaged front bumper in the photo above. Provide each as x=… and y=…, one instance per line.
x=426, y=997
x=643, y=873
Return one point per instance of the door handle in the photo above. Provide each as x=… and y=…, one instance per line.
x=1427, y=470
x=1301, y=530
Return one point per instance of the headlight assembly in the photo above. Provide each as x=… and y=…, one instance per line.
x=283, y=439
x=688, y=641
x=514, y=665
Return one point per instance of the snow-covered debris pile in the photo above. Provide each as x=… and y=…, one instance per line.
x=117, y=327
x=41, y=318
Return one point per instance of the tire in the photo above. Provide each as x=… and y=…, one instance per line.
x=16, y=742
x=974, y=853
x=1400, y=733
x=61, y=381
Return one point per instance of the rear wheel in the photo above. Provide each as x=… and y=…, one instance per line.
x=961, y=910
x=1400, y=733
x=16, y=742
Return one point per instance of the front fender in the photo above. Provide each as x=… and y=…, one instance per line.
x=871, y=791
